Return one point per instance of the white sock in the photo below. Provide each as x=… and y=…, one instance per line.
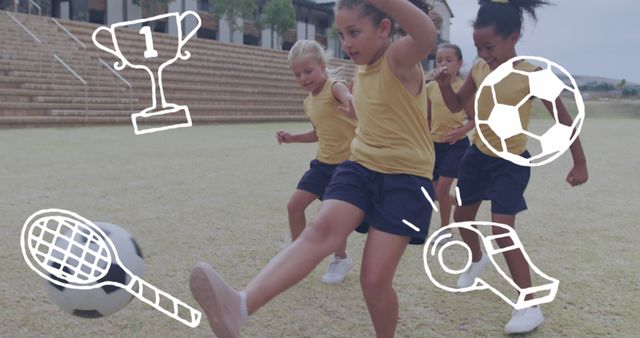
x=243, y=307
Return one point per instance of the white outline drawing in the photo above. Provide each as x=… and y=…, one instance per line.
x=555, y=141
x=45, y=235
x=551, y=287
x=458, y=199
x=150, y=52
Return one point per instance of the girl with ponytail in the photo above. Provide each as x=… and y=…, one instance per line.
x=485, y=176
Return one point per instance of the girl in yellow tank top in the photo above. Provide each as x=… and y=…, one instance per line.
x=483, y=175
x=328, y=106
x=391, y=159
x=449, y=131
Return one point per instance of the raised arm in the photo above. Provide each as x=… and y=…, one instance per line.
x=409, y=50
x=454, y=101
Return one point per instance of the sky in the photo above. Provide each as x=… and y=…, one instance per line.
x=586, y=37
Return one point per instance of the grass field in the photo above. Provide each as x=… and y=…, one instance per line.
x=218, y=193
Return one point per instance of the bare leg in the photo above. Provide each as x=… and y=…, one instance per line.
x=518, y=266
x=333, y=224
x=341, y=250
x=298, y=203
x=467, y=213
x=382, y=253
x=443, y=185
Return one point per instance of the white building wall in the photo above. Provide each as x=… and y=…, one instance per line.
x=225, y=31
x=305, y=31
x=133, y=12
x=189, y=22
x=64, y=10
x=265, y=38
x=115, y=12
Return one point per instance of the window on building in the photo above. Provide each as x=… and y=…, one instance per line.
x=207, y=33
x=251, y=40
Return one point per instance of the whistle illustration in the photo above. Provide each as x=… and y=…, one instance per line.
x=549, y=287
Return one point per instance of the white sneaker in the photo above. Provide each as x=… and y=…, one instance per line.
x=337, y=270
x=468, y=277
x=524, y=320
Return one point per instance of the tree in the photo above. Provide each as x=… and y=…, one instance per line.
x=152, y=8
x=232, y=9
x=621, y=84
x=279, y=16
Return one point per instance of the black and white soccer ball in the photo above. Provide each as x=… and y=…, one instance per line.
x=103, y=301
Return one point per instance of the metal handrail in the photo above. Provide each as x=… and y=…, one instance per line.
x=121, y=79
x=82, y=45
x=86, y=99
x=33, y=36
x=31, y=2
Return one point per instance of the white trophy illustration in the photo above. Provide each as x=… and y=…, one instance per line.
x=151, y=55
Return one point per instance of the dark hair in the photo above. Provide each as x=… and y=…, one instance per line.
x=377, y=15
x=506, y=15
x=453, y=46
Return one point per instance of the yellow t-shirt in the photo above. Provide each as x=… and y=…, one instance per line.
x=443, y=120
x=392, y=135
x=509, y=91
x=334, y=129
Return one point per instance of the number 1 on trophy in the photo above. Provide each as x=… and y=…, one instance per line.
x=148, y=39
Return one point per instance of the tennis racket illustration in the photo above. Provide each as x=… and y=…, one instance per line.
x=83, y=253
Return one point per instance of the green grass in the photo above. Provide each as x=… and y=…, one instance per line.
x=218, y=193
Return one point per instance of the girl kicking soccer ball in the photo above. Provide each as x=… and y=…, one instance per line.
x=329, y=109
x=483, y=175
x=391, y=159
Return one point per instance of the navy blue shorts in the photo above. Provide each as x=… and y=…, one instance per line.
x=317, y=178
x=484, y=177
x=448, y=157
x=386, y=199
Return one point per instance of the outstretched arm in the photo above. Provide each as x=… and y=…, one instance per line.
x=285, y=137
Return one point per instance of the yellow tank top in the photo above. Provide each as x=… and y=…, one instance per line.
x=510, y=91
x=334, y=129
x=392, y=135
x=443, y=120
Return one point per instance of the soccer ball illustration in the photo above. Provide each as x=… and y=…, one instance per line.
x=504, y=118
x=99, y=302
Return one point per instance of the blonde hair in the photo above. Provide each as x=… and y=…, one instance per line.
x=313, y=49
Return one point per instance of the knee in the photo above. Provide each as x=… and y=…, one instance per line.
x=295, y=206
x=318, y=231
x=374, y=283
x=443, y=186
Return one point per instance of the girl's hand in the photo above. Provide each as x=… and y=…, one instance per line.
x=348, y=109
x=283, y=137
x=441, y=76
x=455, y=134
x=578, y=175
